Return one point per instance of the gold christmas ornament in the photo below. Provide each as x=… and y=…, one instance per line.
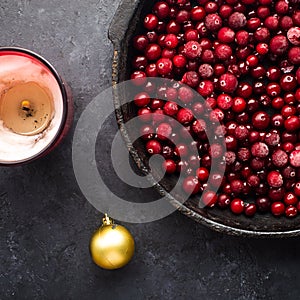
x=112, y=245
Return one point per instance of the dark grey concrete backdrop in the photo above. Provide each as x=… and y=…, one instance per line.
x=45, y=222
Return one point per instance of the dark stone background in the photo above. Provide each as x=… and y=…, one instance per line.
x=45, y=222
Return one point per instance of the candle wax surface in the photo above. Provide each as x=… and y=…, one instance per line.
x=26, y=132
x=26, y=120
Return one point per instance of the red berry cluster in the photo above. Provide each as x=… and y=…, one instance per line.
x=243, y=58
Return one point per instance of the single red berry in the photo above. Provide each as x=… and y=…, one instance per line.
x=153, y=147
x=250, y=209
x=213, y=22
x=150, y=22
x=169, y=166
x=237, y=21
x=184, y=116
x=260, y=150
x=224, y=101
x=226, y=35
x=277, y=208
x=262, y=48
x=291, y=211
x=142, y=99
x=192, y=50
x=279, y=44
x=261, y=120
x=209, y=199
x=202, y=174
x=237, y=206
x=228, y=83
x=293, y=36
x=290, y=199
x=164, y=66
x=171, y=41
x=295, y=158
x=275, y=179
x=294, y=55
x=191, y=185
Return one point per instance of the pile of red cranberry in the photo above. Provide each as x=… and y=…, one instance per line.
x=243, y=57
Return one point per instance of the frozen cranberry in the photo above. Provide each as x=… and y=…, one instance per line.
x=164, y=131
x=294, y=55
x=237, y=206
x=192, y=50
x=213, y=22
x=226, y=35
x=291, y=211
x=253, y=24
x=286, y=22
x=209, y=199
x=228, y=83
x=223, y=51
x=191, y=185
x=262, y=34
x=260, y=150
x=171, y=41
x=179, y=61
x=279, y=158
x=161, y=9
x=173, y=27
x=263, y=12
x=205, y=88
x=236, y=186
x=169, y=166
x=150, y=22
x=262, y=48
x=182, y=16
x=295, y=158
x=207, y=56
x=296, y=17
x=206, y=71
x=263, y=204
x=261, y=120
x=290, y=198
x=277, y=208
x=272, y=22
x=288, y=82
x=243, y=155
x=192, y=79
x=153, y=147
x=198, y=13
x=292, y=123
x=275, y=179
x=239, y=105
x=237, y=21
x=281, y=7
x=224, y=101
x=142, y=99
x=164, y=66
x=223, y=200
x=202, y=174
x=250, y=209
x=184, y=116
x=273, y=73
x=279, y=44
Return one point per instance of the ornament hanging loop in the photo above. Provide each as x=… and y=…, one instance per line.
x=107, y=220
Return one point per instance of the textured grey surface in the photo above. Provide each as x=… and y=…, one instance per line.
x=45, y=222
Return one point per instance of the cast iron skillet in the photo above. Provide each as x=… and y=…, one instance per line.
x=126, y=23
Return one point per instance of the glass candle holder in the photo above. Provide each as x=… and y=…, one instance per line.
x=36, y=107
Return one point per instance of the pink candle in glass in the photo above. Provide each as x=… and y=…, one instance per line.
x=36, y=108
